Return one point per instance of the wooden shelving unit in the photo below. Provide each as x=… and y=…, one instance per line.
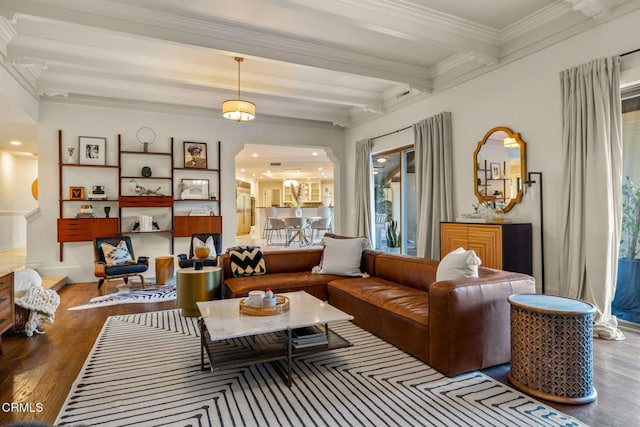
x=86, y=229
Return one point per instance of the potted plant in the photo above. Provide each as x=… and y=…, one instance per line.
x=393, y=236
x=627, y=298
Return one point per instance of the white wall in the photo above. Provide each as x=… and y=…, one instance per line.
x=76, y=120
x=524, y=96
x=16, y=176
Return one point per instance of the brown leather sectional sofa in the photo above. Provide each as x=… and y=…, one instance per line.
x=454, y=326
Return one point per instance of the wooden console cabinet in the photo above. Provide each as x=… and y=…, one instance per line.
x=504, y=246
x=85, y=229
x=7, y=314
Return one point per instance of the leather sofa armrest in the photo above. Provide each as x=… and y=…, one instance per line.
x=469, y=320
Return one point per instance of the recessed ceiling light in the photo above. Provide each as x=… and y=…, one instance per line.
x=375, y=171
x=16, y=143
x=241, y=170
x=320, y=169
x=254, y=155
x=381, y=159
x=315, y=153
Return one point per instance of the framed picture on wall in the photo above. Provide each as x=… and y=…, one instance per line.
x=92, y=150
x=76, y=193
x=197, y=189
x=495, y=170
x=195, y=155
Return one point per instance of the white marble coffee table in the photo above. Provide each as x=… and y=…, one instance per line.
x=259, y=339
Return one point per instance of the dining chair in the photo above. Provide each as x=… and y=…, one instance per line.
x=271, y=212
x=322, y=223
x=276, y=225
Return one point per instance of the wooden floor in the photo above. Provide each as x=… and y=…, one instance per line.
x=41, y=369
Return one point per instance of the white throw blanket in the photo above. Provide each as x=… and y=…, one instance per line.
x=42, y=303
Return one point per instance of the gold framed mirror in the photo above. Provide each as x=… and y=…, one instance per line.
x=500, y=168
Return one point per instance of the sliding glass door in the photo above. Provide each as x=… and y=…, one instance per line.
x=395, y=201
x=626, y=304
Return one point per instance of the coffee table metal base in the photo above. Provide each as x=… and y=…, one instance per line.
x=261, y=348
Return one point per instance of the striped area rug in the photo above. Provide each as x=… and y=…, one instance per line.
x=144, y=370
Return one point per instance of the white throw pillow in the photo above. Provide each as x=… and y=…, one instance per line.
x=341, y=256
x=116, y=255
x=208, y=243
x=458, y=264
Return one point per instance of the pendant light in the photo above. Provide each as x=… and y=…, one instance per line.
x=237, y=109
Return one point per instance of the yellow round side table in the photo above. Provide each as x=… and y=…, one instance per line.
x=197, y=285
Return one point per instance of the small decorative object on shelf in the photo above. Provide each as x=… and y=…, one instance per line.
x=146, y=171
x=76, y=193
x=143, y=191
x=70, y=151
x=281, y=305
x=107, y=209
x=86, y=211
x=98, y=193
x=146, y=136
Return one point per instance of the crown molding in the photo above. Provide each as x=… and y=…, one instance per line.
x=596, y=9
x=220, y=36
x=550, y=13
x=7, y=33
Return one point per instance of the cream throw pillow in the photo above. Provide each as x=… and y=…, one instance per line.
x=458, y=264
x=341, y=256
x=208, y=243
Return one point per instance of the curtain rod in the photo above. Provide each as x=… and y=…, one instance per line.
x=630, y=52
x=389, y=133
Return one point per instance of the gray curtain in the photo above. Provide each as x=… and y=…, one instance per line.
x=434, y=181
x=592, y=186
x=363, y=188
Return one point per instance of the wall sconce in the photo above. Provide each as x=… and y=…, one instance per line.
x=529, y=193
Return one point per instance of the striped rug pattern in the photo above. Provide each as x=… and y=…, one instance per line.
x=144, y=370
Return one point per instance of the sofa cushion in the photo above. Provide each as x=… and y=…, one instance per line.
x=341, y=256
x=458, y=264
x=410, y=271
x=398, y=299
x=315, y=284
x=247, y=261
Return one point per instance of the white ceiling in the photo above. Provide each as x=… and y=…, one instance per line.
x=335, y=61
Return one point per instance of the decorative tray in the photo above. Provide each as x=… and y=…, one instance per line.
x=282, y=305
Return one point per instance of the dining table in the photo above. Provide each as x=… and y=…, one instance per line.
x=296, y=229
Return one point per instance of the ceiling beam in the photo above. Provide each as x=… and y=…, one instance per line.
x=217, y=35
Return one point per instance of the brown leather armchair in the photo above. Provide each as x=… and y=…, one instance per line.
x=103, y=271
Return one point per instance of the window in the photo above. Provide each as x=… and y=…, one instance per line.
x=395, y=201
x=626, y=304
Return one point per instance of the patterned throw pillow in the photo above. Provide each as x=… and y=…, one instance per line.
x=247, y=261
x=116, y=255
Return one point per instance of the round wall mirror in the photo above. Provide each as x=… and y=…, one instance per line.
x=500, y=167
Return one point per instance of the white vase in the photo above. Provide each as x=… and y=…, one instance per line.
x=298, y=212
